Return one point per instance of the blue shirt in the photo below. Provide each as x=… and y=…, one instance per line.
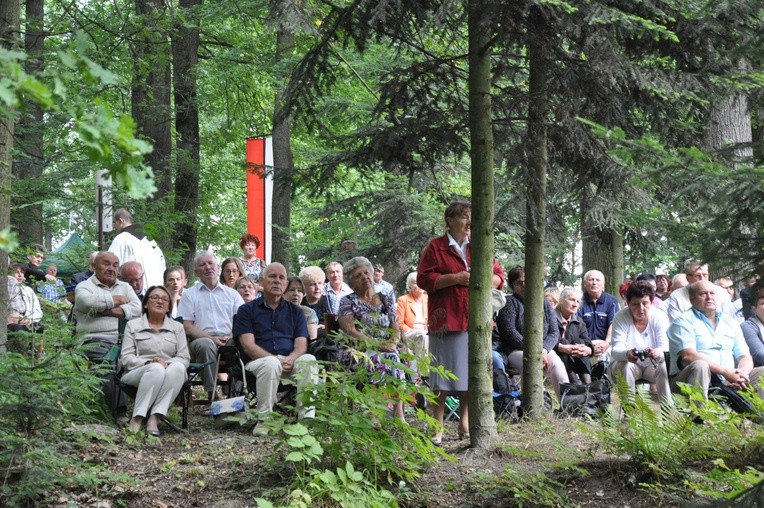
x=693, y=330
x=275, y=330
x=599, y=315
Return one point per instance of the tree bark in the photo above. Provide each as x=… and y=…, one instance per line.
x=185, y=58
x=282, y=156
x=535, y=228
x=9, y=38
x=730, y=125
x=482, y=423
x=151, y=91
x=29, y=162
x=602, y=247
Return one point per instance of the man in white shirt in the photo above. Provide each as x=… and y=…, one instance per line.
x=679, y=301
x=336, y=288
x=207, y=310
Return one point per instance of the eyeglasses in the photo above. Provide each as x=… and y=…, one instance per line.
x=231, y=271
x=157, y=298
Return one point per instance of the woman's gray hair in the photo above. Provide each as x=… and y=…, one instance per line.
x=349, y=267
x=410, y=280
x=567, y=291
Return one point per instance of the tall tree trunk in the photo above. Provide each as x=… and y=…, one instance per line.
x=29, y=162
x=282, y=153
x=151, y=91
x=184, y=53
x=9, y=38
x=602, y=248
x=730, y=125
x=482, y=423
x=535, y=227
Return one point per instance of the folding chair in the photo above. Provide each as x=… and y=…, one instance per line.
x=452, y=409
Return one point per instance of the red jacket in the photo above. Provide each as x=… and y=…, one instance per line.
x=447, y=307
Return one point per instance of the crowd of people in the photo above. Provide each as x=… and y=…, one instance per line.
x=698, y=327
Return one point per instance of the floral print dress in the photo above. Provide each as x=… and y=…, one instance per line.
x=375, y=322
x=253, y=268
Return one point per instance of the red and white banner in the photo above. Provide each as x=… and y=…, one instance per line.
x=260, y=192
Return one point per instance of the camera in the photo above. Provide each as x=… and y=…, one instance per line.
x=641, y=355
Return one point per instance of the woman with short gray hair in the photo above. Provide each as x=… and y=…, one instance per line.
x=366, y=314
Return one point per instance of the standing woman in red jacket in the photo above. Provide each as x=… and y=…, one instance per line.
x=444, y=272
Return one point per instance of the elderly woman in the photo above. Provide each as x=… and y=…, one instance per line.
x=253, y=265
x=155, y=358
x=412, y=318
x=510, y=324
x=662, y=286
x=367, y=315
x=295, y=293
x=444, y=272
x=246, y=288
x=313, y=280
x=575, y=348
x=639, y=340
x=230, y=270
x=175, y=282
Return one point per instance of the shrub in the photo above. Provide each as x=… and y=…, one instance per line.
x=39, y=399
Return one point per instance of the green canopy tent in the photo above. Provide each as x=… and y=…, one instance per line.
x=71, y=257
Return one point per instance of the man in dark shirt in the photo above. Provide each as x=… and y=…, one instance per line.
x=33, y=272
x=273, y=337
x=597, y=310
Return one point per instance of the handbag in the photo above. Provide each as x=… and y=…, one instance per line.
x=584, y=399
x=231, y=404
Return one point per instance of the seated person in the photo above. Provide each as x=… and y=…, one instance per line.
x=510, y=324
x=639, y=340
x=52, y=290
x=247, y=288
x=706, y=342
x=155, y=357
x=33, y=272
x=207, y=310
x=412, y=319
x=132, y=273
x=314, y=279
x=378, y=320
x=753, y=329
x=552, y=295
x=295, y=293
x=99, y=303
x=24, y=306
x=273, y=337
x=175, y=282
x=574, y=349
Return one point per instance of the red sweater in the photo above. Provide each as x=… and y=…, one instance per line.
x=447, y=307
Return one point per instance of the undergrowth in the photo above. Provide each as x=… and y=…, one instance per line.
x=694, y=447
x=353, y=453
x=40, y=398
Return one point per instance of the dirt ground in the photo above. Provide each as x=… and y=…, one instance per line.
x=228, y=468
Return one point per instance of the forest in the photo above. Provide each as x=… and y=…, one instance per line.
x=613, y=135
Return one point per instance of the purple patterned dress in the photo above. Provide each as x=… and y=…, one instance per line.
x=376, y=322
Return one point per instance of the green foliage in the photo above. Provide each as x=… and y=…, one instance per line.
x=353, y=447
x=39, y=401
x=524, y=487
x=108, y=139
x=689, y=447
